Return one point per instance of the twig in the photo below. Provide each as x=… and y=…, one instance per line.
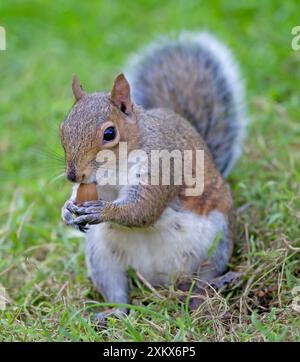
x=148, y=285
x=280, y=279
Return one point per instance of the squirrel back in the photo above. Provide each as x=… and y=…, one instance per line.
x=197, y=77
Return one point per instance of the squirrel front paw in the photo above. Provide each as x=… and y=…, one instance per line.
x=69, y=218
x=79, y=216
x=66, y=214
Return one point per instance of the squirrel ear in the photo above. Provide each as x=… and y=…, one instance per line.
x=77, y=88
x=120, y=94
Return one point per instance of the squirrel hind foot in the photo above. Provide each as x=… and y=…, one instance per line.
x=100, y=319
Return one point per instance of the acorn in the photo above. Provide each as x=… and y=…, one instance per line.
x=86, y=192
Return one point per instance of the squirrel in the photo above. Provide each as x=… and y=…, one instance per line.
x=177, y=94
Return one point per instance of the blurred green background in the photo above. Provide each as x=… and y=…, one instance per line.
x=47, y=42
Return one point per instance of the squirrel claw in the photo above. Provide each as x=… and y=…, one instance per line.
x=83, y=228
x=88, y=219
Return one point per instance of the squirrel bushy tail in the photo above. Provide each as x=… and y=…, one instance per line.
x=197, y=77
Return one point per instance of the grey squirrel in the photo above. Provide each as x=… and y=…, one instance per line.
x=181, y=94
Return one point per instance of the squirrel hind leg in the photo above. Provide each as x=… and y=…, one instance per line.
x=212, y=274
x=217, y=263
x=108, y=277
x=204, y=290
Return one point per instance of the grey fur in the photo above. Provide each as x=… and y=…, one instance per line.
x=222, y=253
x=107, y=276
x=217, y=262
x=196, y=76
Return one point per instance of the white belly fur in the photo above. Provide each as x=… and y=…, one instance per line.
x=177, y=243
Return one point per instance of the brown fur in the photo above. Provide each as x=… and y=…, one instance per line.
x=155, y=129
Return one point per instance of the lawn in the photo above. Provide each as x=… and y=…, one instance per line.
x=42, y=264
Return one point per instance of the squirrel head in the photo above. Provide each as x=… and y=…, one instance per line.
x=97, y=121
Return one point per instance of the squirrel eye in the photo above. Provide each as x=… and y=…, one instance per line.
x=109, y=134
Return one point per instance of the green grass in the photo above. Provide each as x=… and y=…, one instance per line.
x=42, y=262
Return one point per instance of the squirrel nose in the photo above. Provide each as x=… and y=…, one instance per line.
x=71, y=175
x=74, y=175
